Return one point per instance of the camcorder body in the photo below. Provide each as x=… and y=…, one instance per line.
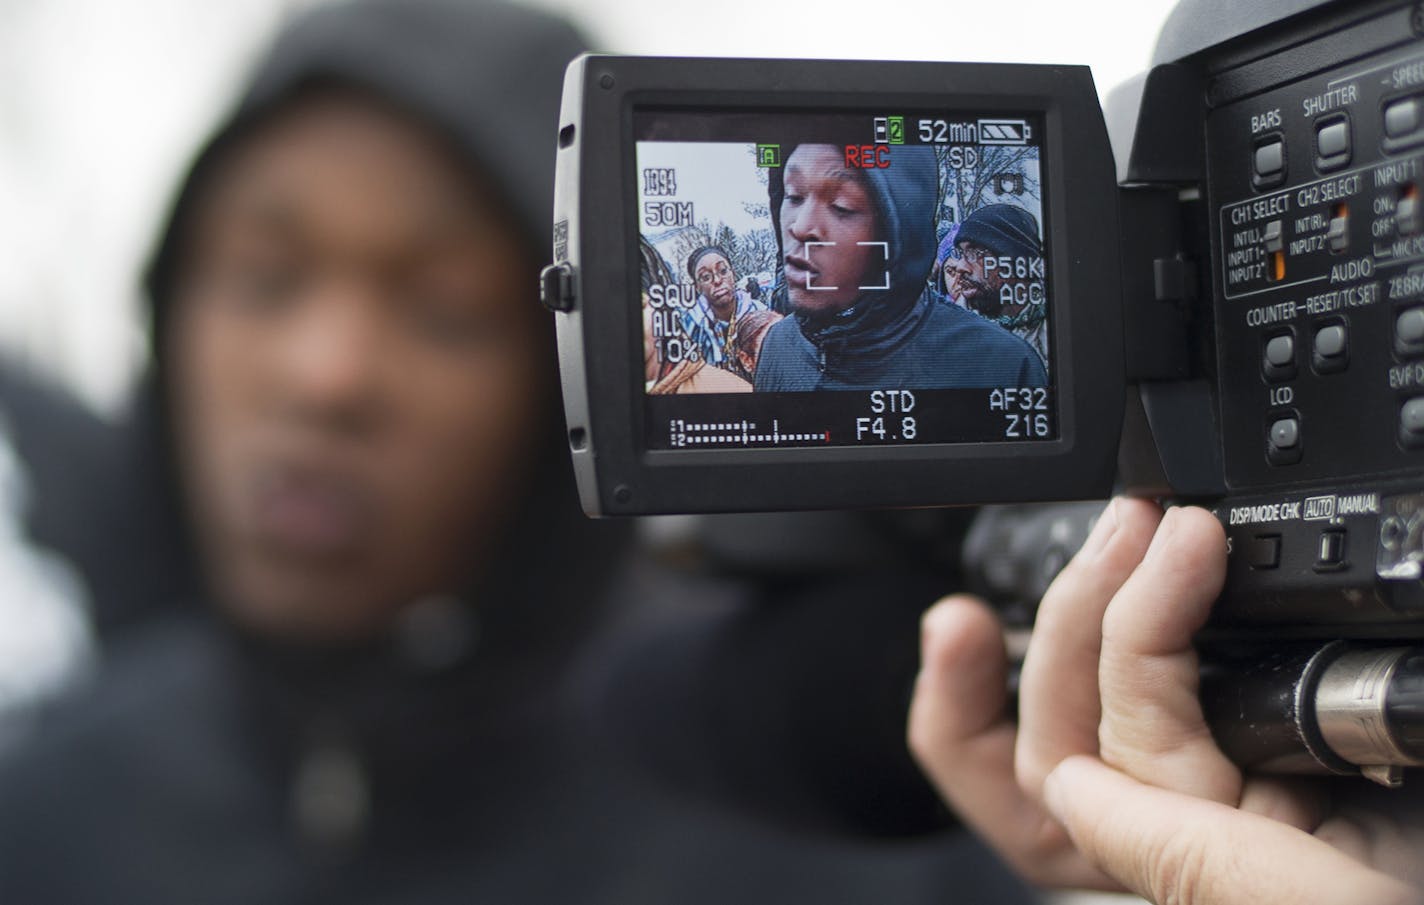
x=792, y=284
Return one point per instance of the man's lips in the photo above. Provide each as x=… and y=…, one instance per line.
x=307, y=512
x=799, y=271
x=970, y=286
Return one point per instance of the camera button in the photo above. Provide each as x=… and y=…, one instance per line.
x=1283, y=439
x=1330, y=341
x=1409, y=331
x=1411, y=422
x=1331, y=349
x=1280, y=351
x=1285, y=432
x=556, y=287
x=1403, y=123
x=1330, y=553
x=1264, y=551
x=1332, y=143
x=1278, y=356
x=1401, y=118
x=1270, y=162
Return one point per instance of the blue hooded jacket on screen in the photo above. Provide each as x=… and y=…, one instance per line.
x=903, y=338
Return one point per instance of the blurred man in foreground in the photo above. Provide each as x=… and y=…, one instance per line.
x=352, y=415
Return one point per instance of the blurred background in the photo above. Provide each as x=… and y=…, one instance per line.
x=104, y=103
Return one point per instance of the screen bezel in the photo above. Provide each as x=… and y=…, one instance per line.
x=1085, y=339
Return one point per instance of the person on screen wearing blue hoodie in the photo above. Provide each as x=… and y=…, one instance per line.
x=857, y=246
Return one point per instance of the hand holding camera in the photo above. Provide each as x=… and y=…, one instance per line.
x=1111, y=777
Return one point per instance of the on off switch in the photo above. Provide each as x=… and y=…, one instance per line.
x=1274, y=240
x=1338, y=236
x=1406, y=212
x=1330, y=552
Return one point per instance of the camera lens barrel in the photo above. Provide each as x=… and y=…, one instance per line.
x=1336, y=708
x=1259, y=705
x=1368, y=706
x=1404, y=705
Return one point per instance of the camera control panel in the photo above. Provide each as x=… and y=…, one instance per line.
x=1319, y=270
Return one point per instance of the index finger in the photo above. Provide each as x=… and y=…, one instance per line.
x=1152, y=724
x=1058, y=691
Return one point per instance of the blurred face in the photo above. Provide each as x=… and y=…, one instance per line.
x=825, y=214
x=717, y=282
x=354, y=361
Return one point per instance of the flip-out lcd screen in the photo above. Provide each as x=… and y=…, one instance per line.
x=835, y=279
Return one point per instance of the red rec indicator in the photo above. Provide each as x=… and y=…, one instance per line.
x=867, y=157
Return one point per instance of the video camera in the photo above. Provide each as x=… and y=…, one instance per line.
x=814, y=284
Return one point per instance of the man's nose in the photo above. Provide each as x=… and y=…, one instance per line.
x=329, y=357
x=805, y=226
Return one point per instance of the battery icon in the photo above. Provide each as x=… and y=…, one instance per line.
x=897, y=129
x=889, y=130
x=1003, y=132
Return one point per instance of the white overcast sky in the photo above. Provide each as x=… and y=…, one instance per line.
x=104, y=101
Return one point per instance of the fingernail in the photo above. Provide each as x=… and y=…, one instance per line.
x=932, y=622
x=1102, y=532
x=1165, y=529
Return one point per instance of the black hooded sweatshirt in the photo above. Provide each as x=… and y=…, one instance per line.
x=436, y=764
x=904, y=337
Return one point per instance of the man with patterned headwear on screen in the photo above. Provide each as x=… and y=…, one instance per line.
x=992, y=236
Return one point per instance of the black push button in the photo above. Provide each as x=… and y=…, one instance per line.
x=1269, y=163
x=1280, y=351
x=1278, y=357
x=1264, y=551
x=1411, y=422
x=1401, y=118
x=556, y=287
x=1285, y=433
x=1332, y=143
x=1330, y=553
x=1403, y=123
x=1270, y=158
x=1330, y=341
x=1409, y=331
x=1331, y=351
x=1283, y=440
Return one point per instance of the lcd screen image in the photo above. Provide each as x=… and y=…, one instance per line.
x=812, y=279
